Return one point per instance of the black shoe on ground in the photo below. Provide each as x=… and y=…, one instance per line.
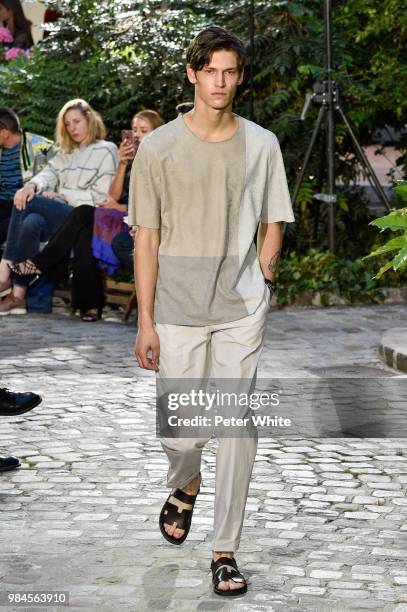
x=12, y=404
x=8, y=463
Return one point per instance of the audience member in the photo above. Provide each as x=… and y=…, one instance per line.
x=21, y=153
x=80, y=173
x=11, y=173
x=12, y=17
x=142, y=124
x=13, y=404
x=86, y=223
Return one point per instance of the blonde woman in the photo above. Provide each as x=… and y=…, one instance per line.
x=80, y=173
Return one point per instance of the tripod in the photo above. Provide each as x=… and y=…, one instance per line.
x=326, y=94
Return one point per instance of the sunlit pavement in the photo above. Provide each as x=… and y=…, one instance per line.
x=326, y=525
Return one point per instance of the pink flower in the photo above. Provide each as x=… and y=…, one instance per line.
x=5, y=35
x=14, y=52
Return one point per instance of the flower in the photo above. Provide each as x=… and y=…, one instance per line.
x=14, y=52
x=5, y=35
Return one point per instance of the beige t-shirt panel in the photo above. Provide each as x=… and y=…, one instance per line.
x=207, y=199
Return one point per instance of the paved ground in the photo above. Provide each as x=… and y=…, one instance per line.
x=326, y=526
x=394, y=348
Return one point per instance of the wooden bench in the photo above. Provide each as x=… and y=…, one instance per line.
x=122, y=294
x=117, y=293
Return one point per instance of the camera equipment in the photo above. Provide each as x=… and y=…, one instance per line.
x=326, y=95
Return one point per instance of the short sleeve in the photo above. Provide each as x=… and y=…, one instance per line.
x=144, y=193
x=277, y=203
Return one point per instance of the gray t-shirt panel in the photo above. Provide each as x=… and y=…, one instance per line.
x=207, y=199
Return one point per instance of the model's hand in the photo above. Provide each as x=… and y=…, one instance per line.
x=127, y=152
x=24, y=195
x=147, y=340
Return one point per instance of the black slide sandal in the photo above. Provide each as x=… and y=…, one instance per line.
x=179, y=513
x=225, y=569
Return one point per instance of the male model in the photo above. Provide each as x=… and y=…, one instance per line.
x=200, y=186
x=13, y=404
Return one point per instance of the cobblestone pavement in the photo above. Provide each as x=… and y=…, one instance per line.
x=326, y=526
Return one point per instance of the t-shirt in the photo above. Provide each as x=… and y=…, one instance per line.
x=207, y=198
x=11, y=177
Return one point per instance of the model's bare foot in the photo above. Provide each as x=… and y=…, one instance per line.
x=191, y=489
x=228, y=585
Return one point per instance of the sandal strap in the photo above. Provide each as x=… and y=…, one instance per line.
x=184, y=497
x=178, y=509
x=224, y=569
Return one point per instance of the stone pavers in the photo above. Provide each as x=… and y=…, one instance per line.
x=393, y=348
x=326, y=526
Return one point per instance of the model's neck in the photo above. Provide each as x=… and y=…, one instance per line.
x=209, y=123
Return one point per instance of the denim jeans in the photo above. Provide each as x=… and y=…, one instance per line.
x=34, y=230
x=53, y=212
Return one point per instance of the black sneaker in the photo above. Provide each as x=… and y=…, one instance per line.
x=12, y=404
x=8, y=463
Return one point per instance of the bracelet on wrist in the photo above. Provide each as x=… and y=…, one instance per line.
x=270, y=284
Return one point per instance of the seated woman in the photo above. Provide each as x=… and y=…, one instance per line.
x=12, y=17
x=142, y=124
x=80, y=173
x=77, y=231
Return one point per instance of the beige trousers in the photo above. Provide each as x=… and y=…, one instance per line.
x=226, y=350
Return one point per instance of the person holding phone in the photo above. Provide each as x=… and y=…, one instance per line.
x=142, y=124
x=79, y=174
x=89, y=231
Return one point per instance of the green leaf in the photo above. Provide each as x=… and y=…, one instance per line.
x=384, y=269
x=393, y=221
x=400, y=260
x=395, y=243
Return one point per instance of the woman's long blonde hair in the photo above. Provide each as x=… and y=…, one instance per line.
x=97, y=130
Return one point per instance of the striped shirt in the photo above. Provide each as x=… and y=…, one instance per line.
x=11, y=177
x=83, y=176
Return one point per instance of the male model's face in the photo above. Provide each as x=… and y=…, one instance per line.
x=216, y=83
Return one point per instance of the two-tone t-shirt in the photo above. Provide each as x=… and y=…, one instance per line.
x=207, y=199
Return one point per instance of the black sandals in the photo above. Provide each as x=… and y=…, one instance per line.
x=26, y=272
x=177, y=509
x=225, y=569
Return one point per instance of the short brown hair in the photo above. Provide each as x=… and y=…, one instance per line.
x=97, y=130
x=212, y=39
x=9, y=120
x=150, y=115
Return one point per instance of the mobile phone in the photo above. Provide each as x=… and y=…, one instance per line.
x=128, y=135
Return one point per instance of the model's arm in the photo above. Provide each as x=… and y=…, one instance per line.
x=269, y=248
x=146, y=245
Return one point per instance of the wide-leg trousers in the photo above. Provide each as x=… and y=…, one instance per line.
x=223, y=351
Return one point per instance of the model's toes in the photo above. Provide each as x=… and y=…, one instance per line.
x=235, y=586
x=178, y=533
x=173, y=531
x=169, y=529
x=224, y=585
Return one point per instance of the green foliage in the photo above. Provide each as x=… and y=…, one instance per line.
x=394, y=221
x=130, y=54
x=120, y=61
x=327, y=274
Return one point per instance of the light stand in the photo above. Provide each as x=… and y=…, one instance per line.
x=326, y=94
